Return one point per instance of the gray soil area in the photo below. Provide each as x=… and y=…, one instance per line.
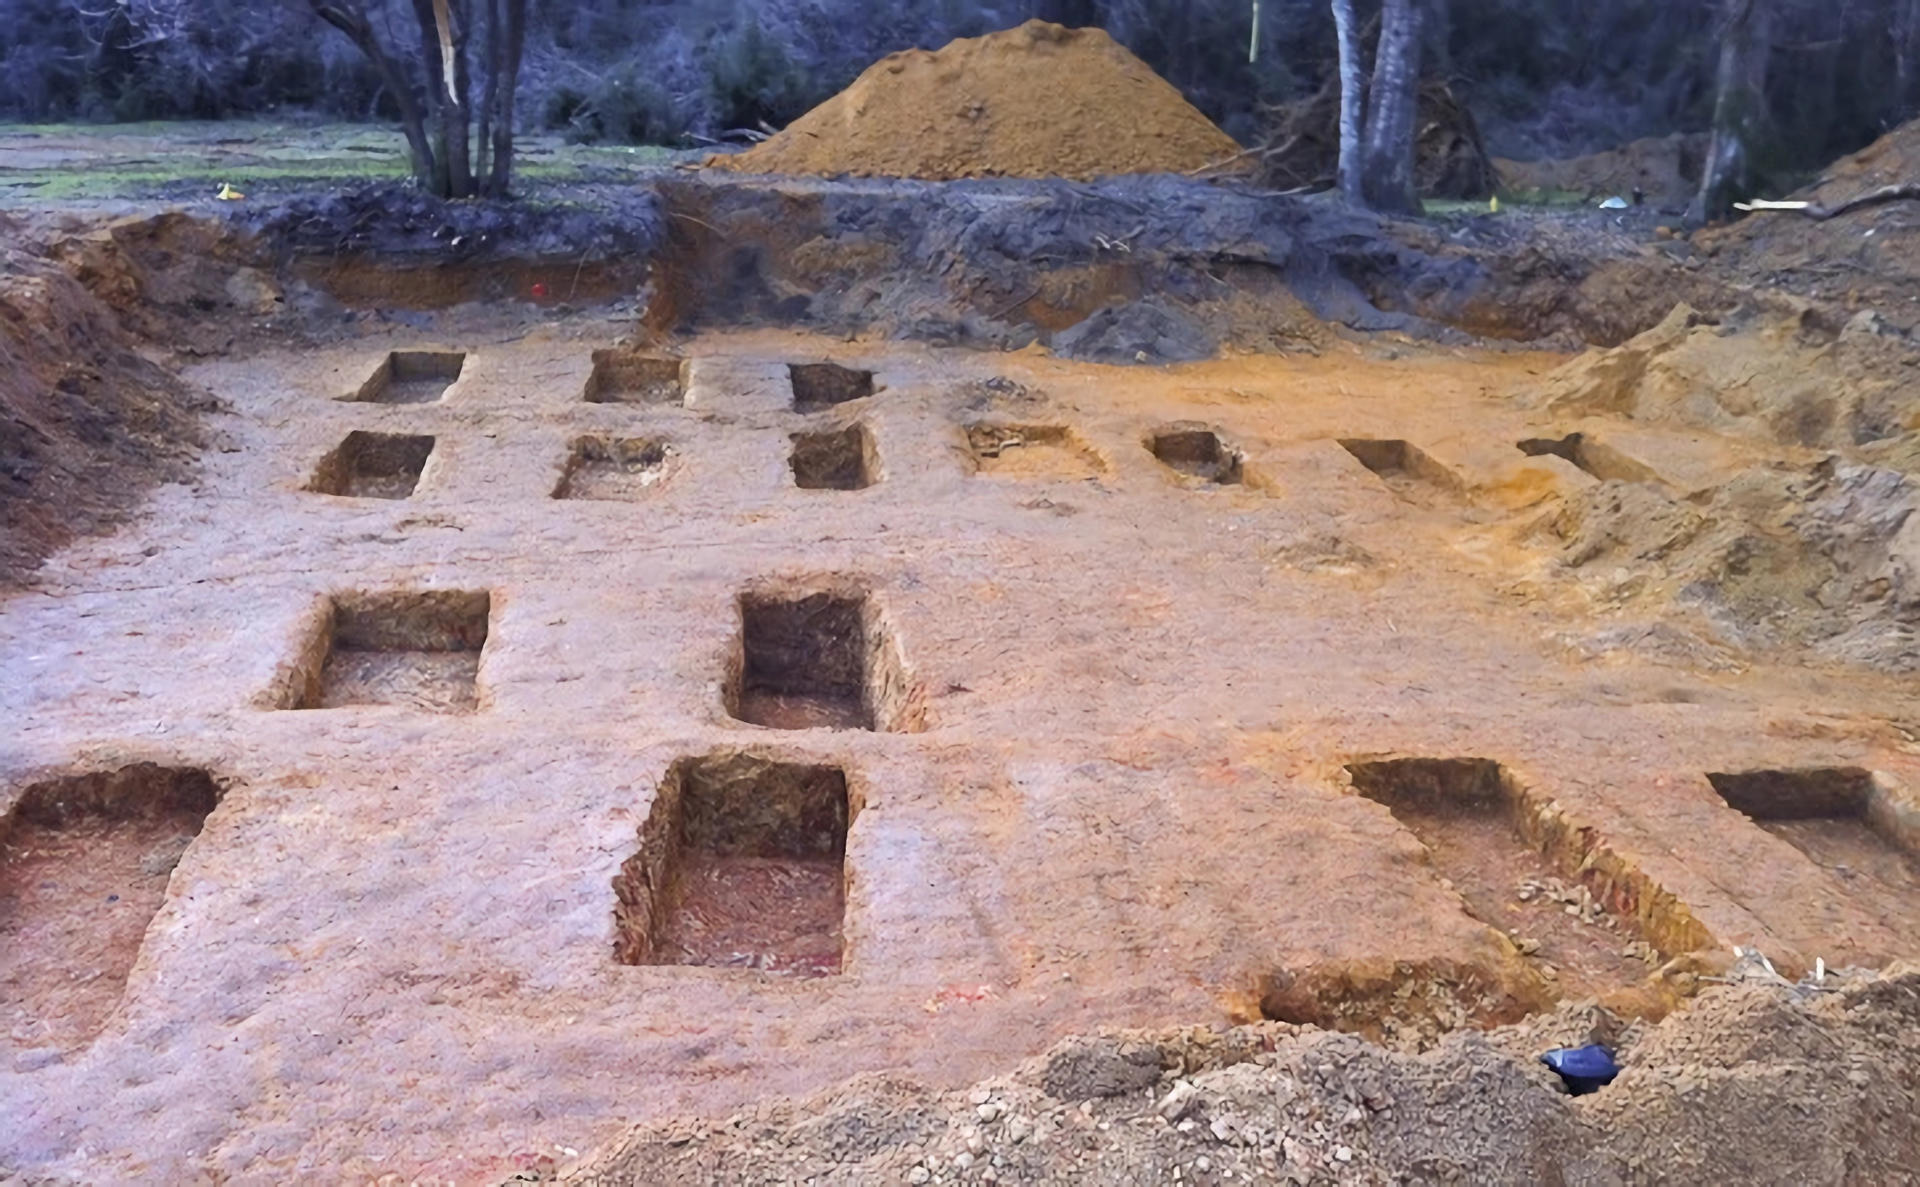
x=743, y=679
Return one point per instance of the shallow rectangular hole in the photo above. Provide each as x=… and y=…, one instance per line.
x=741, y=864
x=818, y=386
x=1402, y=465
x=615, y=468
x=1597, y=458
x=1199, y=453
x=1523, y=867
x=623, y=377
x=818, y=660
x=834, y=459
x=419, y=649
x=1031, y=451
x=1846, y=824
x=373, y=466
x=412, y=377
x=84, y=865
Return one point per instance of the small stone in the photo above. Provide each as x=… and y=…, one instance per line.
x=1019, y=1129
x=919, y=1175
x=988, y=1112
x=1185, y=1127
x=962, y=1160
x=1343, y=1153
x=1180, y=1101
x=1203, y=1163
x=980, y=1096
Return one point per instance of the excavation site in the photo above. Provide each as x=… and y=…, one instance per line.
x=983, y=637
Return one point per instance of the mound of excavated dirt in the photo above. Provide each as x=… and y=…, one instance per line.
x=1763, y=1081
x=86, y=422
x=1035, y=101
x=1815, y=554
x=1869, y=259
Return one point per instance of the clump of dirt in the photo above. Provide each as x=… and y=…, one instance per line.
x=1783, y=372
x=1665, y=169
x=86, y=422
x=1766, y=1080
x=1868, y=259
x=1039, y=100
x=1819, y=557
x=189, y=284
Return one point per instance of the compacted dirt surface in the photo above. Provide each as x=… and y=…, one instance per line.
x=785, y=679
x=1149, y=744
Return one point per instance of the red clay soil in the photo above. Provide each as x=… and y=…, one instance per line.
x=1035, y=101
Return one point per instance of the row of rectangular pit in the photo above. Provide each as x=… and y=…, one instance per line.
x=741, y=862
x=618, y=377
x=380, y=465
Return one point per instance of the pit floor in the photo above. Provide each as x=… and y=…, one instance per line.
x=390, y=951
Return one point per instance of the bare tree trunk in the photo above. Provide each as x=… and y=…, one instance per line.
x=1386, y=163
x=348, y=17
x=1906, y=48
x=513, y=43
x=1739, y=109
x=1353, y=99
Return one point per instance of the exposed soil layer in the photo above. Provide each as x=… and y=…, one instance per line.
x=615, y=468
x=1105, y=783
x=412, y=377
x=1034, y=101
x=1764, y=1082
x=84, y=864
x=367, y=465
x=87, y=424
x=625, y=377
x=740, y=865
x=1139, y=270
x=420, y=650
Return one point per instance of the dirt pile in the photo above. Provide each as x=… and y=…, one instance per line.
x=1809, y=553
x=1034, y=101
x=1759, y=1081
x=1783, y=372
x=86, y=422
x=1869, y=259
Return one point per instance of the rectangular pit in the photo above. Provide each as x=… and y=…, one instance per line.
x=421, y=650
x=412, y=377
x=1197, y=453
x=1847, y=823
x=84, y=866
x=741, y=864
x=1404, y=467
x=1523, y=867
x=623, y=377
x=835, y=459
x=1597, y=458
x=822, y=659
x=1031, y=451
x=621, y=469
x=819, y=386
x=369, y=465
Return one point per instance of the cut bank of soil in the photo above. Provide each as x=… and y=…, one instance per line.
x=1035, y=101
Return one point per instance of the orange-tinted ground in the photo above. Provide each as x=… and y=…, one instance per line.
x=392, y=948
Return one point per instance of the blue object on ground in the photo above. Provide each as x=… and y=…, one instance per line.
x=1584, y=1069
